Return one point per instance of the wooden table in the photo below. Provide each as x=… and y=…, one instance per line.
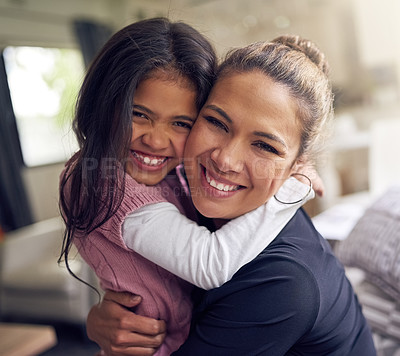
x=25, y=339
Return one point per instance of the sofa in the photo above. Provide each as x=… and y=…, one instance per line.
x=34, y=286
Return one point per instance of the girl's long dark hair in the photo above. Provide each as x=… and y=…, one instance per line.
x=91, y=184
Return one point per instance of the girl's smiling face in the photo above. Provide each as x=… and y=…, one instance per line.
x=163, y=112
x=243, y=145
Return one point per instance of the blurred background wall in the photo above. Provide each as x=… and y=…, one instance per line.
x=361, y=39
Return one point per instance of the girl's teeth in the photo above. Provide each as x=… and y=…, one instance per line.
x=220, y=186
x=148, y=160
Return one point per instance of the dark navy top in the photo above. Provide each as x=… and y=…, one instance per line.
x=293, y=299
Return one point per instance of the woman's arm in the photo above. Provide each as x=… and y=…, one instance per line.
x=120, y=332
x=162, y=235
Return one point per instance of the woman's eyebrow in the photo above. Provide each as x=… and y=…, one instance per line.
x=270, y=137
x=220, y=111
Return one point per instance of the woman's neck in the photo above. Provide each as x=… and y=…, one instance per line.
x=220, y=222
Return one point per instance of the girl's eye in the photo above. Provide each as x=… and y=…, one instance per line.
x=183, y=124
x=217, y=123
x=266, y=147
x=138, y=114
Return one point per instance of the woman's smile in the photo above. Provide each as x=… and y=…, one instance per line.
x=217, y=185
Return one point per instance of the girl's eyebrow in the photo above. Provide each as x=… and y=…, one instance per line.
x=148, y=111
x=143, y=108
x=256, y=133
x=184, y=117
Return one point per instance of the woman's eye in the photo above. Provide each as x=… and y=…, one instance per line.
x=183, y=124
x=266, y=147
x=217, y=123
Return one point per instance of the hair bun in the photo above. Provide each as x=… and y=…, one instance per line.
x=307, y=47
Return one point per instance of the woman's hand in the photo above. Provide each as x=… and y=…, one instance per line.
x=118, y=331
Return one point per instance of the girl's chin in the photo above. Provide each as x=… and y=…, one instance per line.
x=148, y=178
x=149, y=175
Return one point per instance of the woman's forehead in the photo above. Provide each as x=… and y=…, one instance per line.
x=253, y=91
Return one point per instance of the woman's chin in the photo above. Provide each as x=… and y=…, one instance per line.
x=211, y=210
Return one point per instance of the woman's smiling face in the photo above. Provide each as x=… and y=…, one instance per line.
x=243, y=145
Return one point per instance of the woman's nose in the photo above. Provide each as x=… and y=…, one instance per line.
x=156, y=138
x=228, y=158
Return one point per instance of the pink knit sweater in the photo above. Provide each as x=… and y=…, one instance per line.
x=164, y=296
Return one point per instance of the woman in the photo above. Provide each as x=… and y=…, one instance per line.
x=267, y=111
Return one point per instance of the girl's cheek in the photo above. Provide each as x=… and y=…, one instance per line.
x=180, y=144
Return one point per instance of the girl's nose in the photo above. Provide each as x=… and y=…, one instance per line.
x=156, y=138
x=228, y=158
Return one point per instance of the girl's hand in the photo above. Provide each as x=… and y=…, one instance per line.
x=317, y=183
x=308, y=169
x=118, y=331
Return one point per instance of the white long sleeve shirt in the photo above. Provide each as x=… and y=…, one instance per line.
x=161, y=234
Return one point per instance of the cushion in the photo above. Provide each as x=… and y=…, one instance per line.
x=381, y=310
x=374, y=243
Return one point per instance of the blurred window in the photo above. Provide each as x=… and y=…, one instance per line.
x=44, y=84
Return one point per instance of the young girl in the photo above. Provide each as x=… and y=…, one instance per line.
x=136, y=107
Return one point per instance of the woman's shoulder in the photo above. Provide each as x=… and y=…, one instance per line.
x=283, y=264
x=298, y=258
x=302, y=255
x=300, y=241
x=287, y=284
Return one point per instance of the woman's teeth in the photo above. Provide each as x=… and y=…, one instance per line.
x=220, y=186
x=150, y=161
